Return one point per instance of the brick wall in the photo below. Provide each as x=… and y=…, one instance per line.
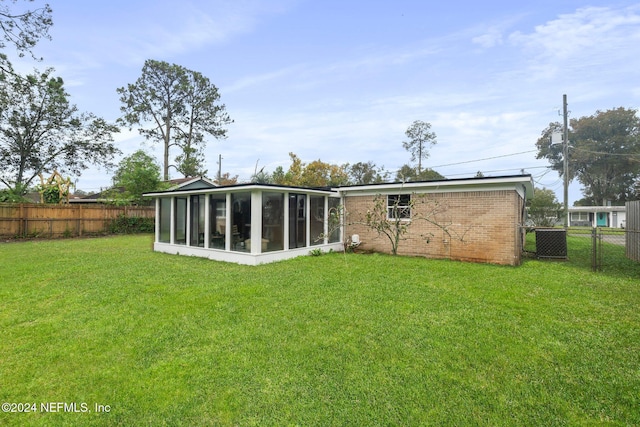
x=478, y=226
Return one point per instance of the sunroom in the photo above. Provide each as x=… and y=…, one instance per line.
x=246, y=223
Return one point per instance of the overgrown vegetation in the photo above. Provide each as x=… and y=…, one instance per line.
x=331, y=340
x=130, y=225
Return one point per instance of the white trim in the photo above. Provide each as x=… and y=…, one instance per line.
x=243, y=189
x=207, y=222
x=156, y=221
x=522, y=184
x=596, y=209
x=227, y=223
x=256, y=222
x=172, y=225
x=285, y=236
x=241, y=257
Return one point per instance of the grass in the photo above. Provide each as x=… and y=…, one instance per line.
x=328, y=340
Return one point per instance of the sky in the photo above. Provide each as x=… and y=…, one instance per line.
x=341, y=81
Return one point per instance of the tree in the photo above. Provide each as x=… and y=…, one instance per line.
x=321, y=174
x=543, y=208
x=293, y=176
x=410, y=174
x=190, y=162
x=23, y=29
x=420, y=139
x=366, y=173
x=226, y=179
x=180, y=104
x=392, y=215
x=278, y=176
x=42, y=131
x=315, y=174
x=137, y=174
x=604, y=154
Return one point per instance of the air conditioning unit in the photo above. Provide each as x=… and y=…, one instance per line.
x=551, y=243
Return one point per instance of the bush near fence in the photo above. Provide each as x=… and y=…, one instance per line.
x=22, y=220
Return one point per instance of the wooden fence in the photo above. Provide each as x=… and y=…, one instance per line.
x=633, y=230
x=44, y=220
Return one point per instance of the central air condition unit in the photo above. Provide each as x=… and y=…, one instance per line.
x=551, y=243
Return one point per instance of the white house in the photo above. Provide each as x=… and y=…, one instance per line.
x=597, y=216
x=260, y=223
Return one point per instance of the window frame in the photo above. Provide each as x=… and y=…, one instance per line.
x=404, y=208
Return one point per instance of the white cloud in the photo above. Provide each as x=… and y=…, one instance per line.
x=591, y=34
x=491, y=38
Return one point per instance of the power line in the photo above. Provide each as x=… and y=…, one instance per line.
x=630, y=156
x=487, y=158
x=499, y=170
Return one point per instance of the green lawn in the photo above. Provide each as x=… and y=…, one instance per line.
x=340, y=340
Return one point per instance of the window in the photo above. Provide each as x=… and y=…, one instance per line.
x=334, y=220
x=181, y=221
x=165, y=220
x=218, y=216
x=399, y=206
x=316, y=221
x=297, y=221
x=580, y=216
x=272, y=222
x=240, y=221
x=197, y=220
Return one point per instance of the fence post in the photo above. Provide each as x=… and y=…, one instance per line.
x=22, y=221
x=80, y=220
x=596, y=250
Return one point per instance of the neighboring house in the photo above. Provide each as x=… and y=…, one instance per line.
x=479, y=219
x=597, y=216
x=107, y=196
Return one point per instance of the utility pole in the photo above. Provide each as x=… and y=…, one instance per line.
x=219, y=168
x=565, y=157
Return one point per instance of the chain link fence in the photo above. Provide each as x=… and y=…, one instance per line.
x=592, y=245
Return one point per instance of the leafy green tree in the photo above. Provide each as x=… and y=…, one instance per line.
x=544, y=209
x=366, y=173
x=226, y=179
x=293, y=176
x=137, y=174
x=410, y=174
x=315, y=174
x=22, y=29
x=182, y=106
x=42, y=131
x=421, y=138
x=278, y=176
x=321, y=174
x=10, y=196
x=261, y=177
x=604, y=154
x=189, y=163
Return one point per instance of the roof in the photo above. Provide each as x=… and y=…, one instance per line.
x=196, y=183
x=523, y=182
x=102, y=196
x=238, y=187
x=597, y=209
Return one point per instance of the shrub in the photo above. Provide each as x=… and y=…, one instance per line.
x=129, y=225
